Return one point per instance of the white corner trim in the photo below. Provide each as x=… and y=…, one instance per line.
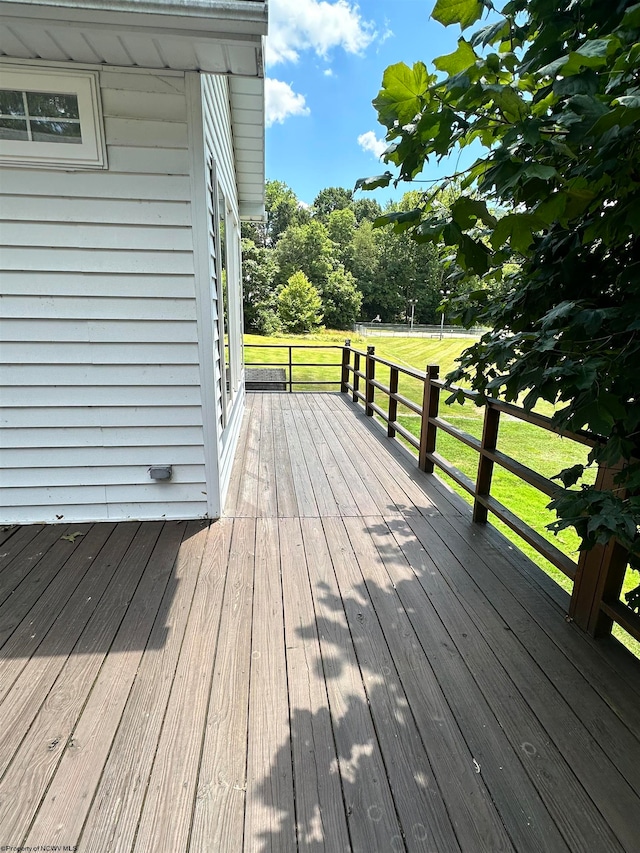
x=203, y=273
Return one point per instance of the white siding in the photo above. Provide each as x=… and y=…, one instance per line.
x=99, y=357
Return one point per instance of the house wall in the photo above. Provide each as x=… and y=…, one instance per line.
x=100, y=368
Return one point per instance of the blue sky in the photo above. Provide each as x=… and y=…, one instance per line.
x=325, y=60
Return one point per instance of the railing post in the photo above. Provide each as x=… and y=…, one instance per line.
x=485, y=465
x=346, y=358
x=393, y=403
x=290, y=369
x=370, y=374
x=599, y=576
x=430, y=407
x=356, y=377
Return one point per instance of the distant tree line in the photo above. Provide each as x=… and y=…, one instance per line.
x=328, y=265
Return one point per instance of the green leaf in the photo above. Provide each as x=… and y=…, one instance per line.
x=552, y=68
x=491, y=33
x=570, y=476
x=629, y=101
x=518, y=228
x=463, y=12
x=71, y=537
x=466, y=211
x=429, y=230
x=596, y=47
x=451, y=234
x=509, y=102
x=559, y=312
x=537, y=170
x=473, y=255
x=584, y=377
x=373, y=183
x=401, y=93
x=459, y=60
x=593, y=54
x=401, y=219
x=580, y=84
x=632, y=17
x=599, y=415
x=552, y=208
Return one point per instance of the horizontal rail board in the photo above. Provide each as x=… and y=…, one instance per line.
x=295, y=364
x=580, y=436
x=266, y=363
x=542, y=546
x=384, y=388
x=379, y=411
x=407, y=371
x=523, y=472
x=292, y=346
x=521, y=414
x=458, y=476
x=408, y=436
x=407, y=403
x=461, y=435
x=623, y=616
x=281, y=382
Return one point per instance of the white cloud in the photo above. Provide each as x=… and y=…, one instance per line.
x=281, y=101
x=369, y=142
x=387, y=34
x=318, y=25
x=328, y=72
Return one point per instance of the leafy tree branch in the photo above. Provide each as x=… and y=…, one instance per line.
x=551, y=91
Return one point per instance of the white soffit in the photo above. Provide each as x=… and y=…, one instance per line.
x=219, y=36
x=247, y=122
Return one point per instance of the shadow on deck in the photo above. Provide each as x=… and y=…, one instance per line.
x=343, y=662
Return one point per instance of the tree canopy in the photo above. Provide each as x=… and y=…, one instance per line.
x=359, y=272
x=299, y=304
x=330, y=199
x=551, y=89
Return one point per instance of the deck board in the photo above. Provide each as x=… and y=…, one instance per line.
x=420, y=807
x=91, y=734
x=369, y=802
x=472, y=813
x=218, y=819
x=344, y=662
x=597, y=721
x=113, y=817
x=269, y=814
x=35, y=759
x=497, y=676
x=15, y=539
x=320, y=810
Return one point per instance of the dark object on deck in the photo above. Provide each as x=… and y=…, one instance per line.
x=266, y=379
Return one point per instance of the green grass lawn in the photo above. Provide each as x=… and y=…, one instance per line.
x=545, y=452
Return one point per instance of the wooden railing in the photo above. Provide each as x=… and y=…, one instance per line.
x=289, y=365
x=598, y=575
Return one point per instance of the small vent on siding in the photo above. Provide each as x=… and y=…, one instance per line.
x=161, y=472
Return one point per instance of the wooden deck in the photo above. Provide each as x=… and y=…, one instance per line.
x=344, y=662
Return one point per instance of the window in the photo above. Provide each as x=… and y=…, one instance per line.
x=223, y=294
x=50, y=119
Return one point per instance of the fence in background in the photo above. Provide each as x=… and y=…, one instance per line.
x=598, y=575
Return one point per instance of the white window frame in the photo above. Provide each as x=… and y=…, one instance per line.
x=90, y=153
